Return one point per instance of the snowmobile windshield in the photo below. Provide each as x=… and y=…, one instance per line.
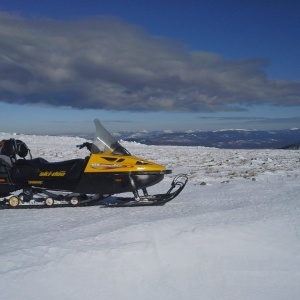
x=104, y=141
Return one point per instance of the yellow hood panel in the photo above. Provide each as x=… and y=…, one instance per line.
x=110, y=163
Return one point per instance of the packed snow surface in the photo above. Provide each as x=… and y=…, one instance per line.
x=233, y=233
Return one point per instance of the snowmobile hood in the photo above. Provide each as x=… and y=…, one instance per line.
x=119, y=164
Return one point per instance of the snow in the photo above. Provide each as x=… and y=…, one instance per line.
x=233, y=232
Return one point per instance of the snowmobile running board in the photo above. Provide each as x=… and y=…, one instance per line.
x=51, y=199
x=178, y=184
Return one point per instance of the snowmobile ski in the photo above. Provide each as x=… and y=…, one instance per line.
x=177, y=186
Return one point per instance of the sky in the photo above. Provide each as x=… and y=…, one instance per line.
x=149, y=65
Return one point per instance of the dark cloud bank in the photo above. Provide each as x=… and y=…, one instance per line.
x=108, y=64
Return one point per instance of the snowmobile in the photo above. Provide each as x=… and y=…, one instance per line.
x=109, y=169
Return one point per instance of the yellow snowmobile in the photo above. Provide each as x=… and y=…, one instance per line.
x=109, y=169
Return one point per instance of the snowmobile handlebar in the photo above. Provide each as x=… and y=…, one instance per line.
x=86, y=144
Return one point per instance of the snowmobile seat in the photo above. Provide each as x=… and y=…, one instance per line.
x=36, y=162
x=72, y=168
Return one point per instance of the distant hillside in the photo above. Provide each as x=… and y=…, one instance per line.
x=223, y=139
x=292, y=147
x=226, y=139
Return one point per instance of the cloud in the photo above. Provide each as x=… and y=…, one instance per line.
x=105, y=63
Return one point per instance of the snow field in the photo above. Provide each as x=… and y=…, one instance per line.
x=233, y=233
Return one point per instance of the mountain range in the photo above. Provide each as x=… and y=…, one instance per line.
x=224, y=139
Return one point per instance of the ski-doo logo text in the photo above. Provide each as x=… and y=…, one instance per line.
x=53, y=174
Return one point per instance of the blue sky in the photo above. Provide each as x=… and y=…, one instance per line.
x=149, y=65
